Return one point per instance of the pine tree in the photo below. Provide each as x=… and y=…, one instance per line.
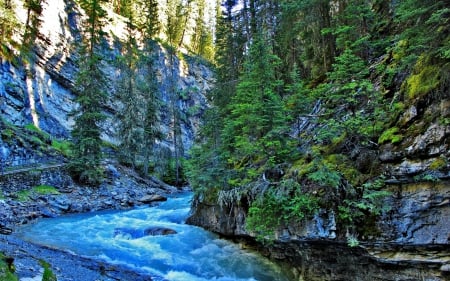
x=301, y=35
x=202, y=39
x=9, y=25
x=148, y=18
x=131, y=115
x=149, y=84
x=32, y=24
x=123, y=7
x=256, y=126
x=207, y=164
x=175, y=34
x=417, y=19
x=228, y=58
x=90, y=85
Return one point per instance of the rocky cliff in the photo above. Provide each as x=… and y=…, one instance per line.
x=408, y=240
x=39, y=92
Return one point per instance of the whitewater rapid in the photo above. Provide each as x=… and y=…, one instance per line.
x=189, y=254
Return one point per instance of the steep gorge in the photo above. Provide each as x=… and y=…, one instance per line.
x=409, y=241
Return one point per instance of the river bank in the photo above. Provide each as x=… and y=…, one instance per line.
x=21, y=203
x=65, y=265
x=105, y=239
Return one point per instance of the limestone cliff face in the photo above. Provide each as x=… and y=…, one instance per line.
x=40, y=92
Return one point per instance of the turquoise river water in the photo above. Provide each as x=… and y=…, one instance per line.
x=190, y=254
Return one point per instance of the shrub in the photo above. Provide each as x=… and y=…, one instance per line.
x=7, y=269
x=278, y=206
x=48, y=274
x=390, y=135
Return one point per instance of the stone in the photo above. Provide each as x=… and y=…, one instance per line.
x=445, y=268
x=408, y=116
x=5, y=230
x=428, y=143
x=135, y=233
x=112, y=172
x=154, y=231
x=152, y=198
x=388, y=154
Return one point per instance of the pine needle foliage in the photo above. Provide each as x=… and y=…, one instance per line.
x=90, y=89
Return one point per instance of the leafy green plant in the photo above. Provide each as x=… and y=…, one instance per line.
x=48, y=273
x=359, y=212
x=325, y=176
x=264, y=216
x=285, y=204
x=7, y=269
x=391, y=135
x=352, y=241
x=430, y=177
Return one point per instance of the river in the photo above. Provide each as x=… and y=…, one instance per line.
x=117, y=237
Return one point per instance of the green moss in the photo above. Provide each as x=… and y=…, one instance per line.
x=36, y=140
x=438, y=163
x=423, y=80
x=7, y=134
x=32, y=127
x=399, y=51
x=24, y=195
x=45, y=189
x=391, y=135
x=62, y=147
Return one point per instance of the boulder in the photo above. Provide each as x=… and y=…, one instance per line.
x=134, y=233
x=152, y=198
x=154, y=231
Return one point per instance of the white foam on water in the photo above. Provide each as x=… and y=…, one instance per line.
x=190, y=254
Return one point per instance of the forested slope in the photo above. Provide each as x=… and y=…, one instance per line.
x=330, y=120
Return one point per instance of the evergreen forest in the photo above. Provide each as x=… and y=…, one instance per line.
x=306, y=93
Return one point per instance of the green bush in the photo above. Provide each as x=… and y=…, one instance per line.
x=285, y=204
x=48, y=274
x=6, y=269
